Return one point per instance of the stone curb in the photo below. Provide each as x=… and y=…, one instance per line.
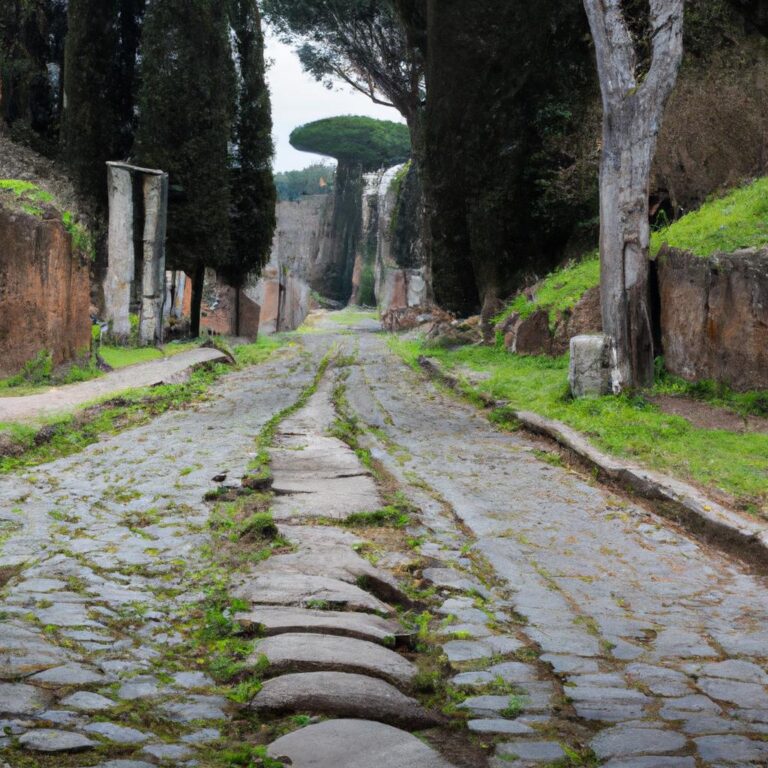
x=746, y=538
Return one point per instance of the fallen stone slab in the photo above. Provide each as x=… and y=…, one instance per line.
x=341, y=694
x=20, y=699
x=271, y=621
x=308, y=592
x=304, y=652
x=353, y=744
x=48, y=740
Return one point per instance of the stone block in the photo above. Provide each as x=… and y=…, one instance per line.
x=590, y=369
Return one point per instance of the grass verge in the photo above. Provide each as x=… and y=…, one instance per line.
x=629, y=427
x=23, y=445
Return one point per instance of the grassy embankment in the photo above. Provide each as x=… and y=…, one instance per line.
x=25, y=445
x=632, y=427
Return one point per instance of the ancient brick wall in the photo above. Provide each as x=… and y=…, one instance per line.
x=44, y=293
x=714, y=316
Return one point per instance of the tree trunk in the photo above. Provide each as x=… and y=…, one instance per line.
x=624, y=252
x=237, y=311
x=198, y=282
x=633, y=107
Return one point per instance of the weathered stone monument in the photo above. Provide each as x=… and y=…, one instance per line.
x=592, y=366
x=135, y=278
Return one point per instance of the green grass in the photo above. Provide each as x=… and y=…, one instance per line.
x=29, y=197
x=737, y=220
x=559, y=291
x=121, y=357
x=628, y=427
x=351, y=316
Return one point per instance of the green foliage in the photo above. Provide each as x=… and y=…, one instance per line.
x=30, y=198
x=252, y=213
x=91, y=127
x=370, y=143
x=31, y=40
x=185, y=102
x=317, y=179
x=560, y=291
x=83, y=241
x=736, y=220
x=38, y=370
x=387, y=517
x=628, y=427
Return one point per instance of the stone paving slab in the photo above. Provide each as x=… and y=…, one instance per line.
x=353, y=744
x=306, y=591
x=341, y=694
x=303, y=652
x=271, y=621
x=338, y=562
x=49, y=740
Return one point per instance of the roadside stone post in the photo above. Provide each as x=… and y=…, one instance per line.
x=120, y=268
x=153, y=282
x=591, y=368
x=122, y=258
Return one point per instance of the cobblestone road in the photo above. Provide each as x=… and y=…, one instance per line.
x=618, y=633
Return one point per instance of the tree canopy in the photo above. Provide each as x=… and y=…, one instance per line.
x=365, y=141
x=360, y=42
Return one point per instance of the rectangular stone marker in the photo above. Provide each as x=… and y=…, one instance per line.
x=120, y=268
x=153, y=283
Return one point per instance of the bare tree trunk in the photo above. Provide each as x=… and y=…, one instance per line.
x=633, y=107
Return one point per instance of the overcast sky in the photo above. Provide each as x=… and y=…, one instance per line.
x=298, y=98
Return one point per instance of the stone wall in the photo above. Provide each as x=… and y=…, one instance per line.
x=714, y=316
x=397, y=287
x=301, y=238
x=44, y=292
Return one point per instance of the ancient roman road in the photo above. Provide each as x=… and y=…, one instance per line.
x=565, y=622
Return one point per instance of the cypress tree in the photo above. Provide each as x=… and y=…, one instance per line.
x=184, y=128
x=91, y=124
x=252, y=217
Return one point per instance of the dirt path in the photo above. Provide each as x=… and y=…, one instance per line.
x=562, y=622
x=67, y=398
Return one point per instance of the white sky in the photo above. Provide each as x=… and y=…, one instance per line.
x=297, y=98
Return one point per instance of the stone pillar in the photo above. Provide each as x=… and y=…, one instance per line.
x=592, y=366
x=120, y=267
x=155, y=188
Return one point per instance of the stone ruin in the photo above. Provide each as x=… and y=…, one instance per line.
x=135, y=279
